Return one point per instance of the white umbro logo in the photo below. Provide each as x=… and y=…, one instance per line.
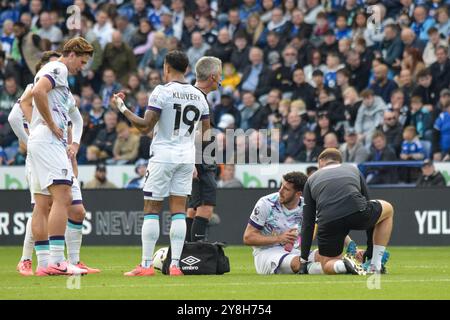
x=190, y=261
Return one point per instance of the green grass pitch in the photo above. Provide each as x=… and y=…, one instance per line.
x=414, y=273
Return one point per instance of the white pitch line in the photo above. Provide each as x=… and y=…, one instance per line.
x=149, y=285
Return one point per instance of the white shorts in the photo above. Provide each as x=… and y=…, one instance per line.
x=164, y=179
x=275, y=260
x=48, y=165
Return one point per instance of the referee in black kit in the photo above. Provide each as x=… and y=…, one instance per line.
x=336, y=196
x=202, y=201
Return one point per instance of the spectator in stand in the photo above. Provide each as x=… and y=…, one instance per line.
x=139, y=12
x=166, y=24
x=235, y=24
x=302, y=90
x=360, y=72
x=141, y=104
x=369, y=116
x=400, y=107
x=227, y=106
x=430, y=177
x=154, y=58
x=412, y=149
x=100, y=181
x=9, y=95
x=142, y=39
x=441, y=131
x=316, y=64
x=342, y=29
x=103, y=28
x=248, y=109
x=263, y=118
x=406, y=84
x=125, y=147
x=297, y=27
x=435, y=41
x=440, y=70
x=7, y=37
x=282, y=76
x=292, y=136
x=254, y=27
x=256, y=77
x=223, y=48
x=132, y=88
x=422, y=22
x=240, y=54
x=198, y=49
x=331, y=141
x=3, y=157
x=421, y=119
x=49, y=31
x=310, y=152
x=352, y=150
x=144, y=146
x=323, y=127
x=272, y=50
x=392, y=129
x=228, y=178
x=179, y=12
x=92, y=155
x=427, y=89
x=189, y=27
x=155, y=13
x=352, y=103
x=119, y=57
x=329, y=45
x=126, y=29
x=392, y=45
x=153, y=80
x=333, y=107
x=277, y=24
x=106, y=137
x=342, y=82
x=313, y=7
x=443, y=24
x=97, y=111
x=231, y=77
x=207, y=30
x=409, y=40
x=382, y=86
x=381, y=152
x=333, y=65
x=412, y=60
x=140, y=167
x=109, y=87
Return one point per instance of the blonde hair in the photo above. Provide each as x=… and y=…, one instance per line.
x=298, y=106
x=79, y=46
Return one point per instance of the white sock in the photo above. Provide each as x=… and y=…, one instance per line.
x=378, y=252
x=315, y=268
x=339, y=267
x=28, y=243
x=149, y=236
x=312, y=256
x=177, y=236
x=73, y=240
x=57, y=244
x=42, y=253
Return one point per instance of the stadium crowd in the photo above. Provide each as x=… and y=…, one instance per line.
x=326, y=73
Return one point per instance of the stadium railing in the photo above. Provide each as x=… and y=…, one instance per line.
x=382, y=164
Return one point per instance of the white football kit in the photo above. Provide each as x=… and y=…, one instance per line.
x=172, y=152
x=19, y=124
x=47, y=154
x=272, y=218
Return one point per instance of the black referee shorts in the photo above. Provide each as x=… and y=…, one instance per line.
x=331, y=235
x=204, y=188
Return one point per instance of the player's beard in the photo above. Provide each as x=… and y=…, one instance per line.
x=287, y=200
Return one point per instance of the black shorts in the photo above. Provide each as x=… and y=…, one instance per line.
x=204, y=187
x=331, y=235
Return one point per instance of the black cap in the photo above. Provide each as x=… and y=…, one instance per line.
x=101, y=167
x=329, y=32
x=427, y=162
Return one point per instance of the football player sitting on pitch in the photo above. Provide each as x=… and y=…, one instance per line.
x=273, y=229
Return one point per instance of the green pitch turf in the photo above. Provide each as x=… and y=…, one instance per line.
x=414, y=273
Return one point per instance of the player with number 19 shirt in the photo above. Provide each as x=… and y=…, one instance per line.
x=181, y=107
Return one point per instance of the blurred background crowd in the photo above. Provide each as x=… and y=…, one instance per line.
x=371, y=81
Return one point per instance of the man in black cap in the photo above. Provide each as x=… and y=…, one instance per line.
x=430, y=177
x=100, y=181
